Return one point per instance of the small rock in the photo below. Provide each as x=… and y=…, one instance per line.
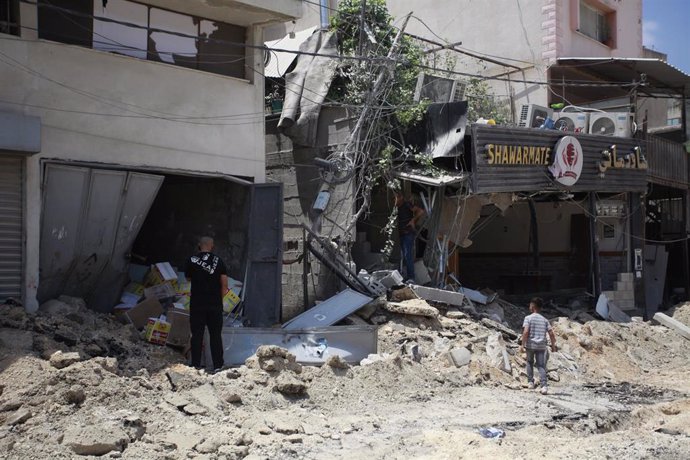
x=10, y=405
x=447, y=334
x=294, y=439
x=176, y=400
x=337, y=362
x=95, y=439
x=19, y=417
x=234, y=451
x=286, y=428
x=108, y=363
x=245, y=439
x=194, y=409
x=411, y=349
x=74, y=395
x=455, y=314
x=208, y=446
x=289, y=385
x=60, y=360
x=232, y=397
x=379, y=319
x=263, y=429
x=268, y=351
x=460, y=356
x=233, y=374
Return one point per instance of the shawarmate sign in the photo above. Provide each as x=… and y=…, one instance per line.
x=521, y=159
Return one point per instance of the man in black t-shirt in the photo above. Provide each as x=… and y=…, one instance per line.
x=209, y=279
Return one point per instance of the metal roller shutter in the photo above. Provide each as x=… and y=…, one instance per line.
x=11, y=227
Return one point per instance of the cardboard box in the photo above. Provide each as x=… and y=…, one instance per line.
x=230, y=301
x=157, y=330
x=160, y=291
x=160, y=273
x=180, y=331
x=139, y=314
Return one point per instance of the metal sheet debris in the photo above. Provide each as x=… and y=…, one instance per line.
x=329, y=311
x=310, y=346
x=439, y=295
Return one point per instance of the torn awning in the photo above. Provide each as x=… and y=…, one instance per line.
x=279, y=61
x=418, y=176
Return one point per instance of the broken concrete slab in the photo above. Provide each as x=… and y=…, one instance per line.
x=438, y=295
x=416, y=307
x=388, y=278
x=609, y=311
x=402, y=294
x=498, y=355
x=97, y=439
x=19, y=417
x=460, y=356
x=60, y=360
x=672, y=323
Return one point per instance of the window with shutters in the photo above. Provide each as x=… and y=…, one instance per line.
x=596, y=23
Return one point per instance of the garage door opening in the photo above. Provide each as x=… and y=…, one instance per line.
x=98, y=221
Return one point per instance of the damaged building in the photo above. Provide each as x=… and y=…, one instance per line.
x=129, y=129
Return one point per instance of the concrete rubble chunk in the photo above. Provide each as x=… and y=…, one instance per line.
x=289, y=385
x=337, y=362
x=417, y=307
x=10, y=405
x=460, y=356
x=672, y=323
x=498, y=355
x=19, y=417
x=98, y=439
x=176, y=400
x=269, y=351
x=60, y=360
x=402, y=294
x=194, y=409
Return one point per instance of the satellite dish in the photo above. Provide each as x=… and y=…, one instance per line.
x=603, y=126
x=564, y=124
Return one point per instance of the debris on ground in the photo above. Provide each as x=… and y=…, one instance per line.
x=80, y=383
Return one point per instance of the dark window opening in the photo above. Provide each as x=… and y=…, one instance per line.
x=67, y=21
x=145, y=32
x=9, y=17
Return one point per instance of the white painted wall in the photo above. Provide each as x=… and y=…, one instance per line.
x=124, y=111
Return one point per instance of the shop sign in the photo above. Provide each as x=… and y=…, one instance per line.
x=611, y=159
x=567, y=161
x=501, y=154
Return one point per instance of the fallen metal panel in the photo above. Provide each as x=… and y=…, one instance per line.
x=439, y=295
x=310, y=346
x=329, y=311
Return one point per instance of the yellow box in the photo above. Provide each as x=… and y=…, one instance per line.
x=230, y=301
x=157, y=331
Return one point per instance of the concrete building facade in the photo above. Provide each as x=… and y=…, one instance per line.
x=160, y=86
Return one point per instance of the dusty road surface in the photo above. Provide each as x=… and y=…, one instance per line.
x=76, y=384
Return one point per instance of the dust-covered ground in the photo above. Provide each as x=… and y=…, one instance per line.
x=77, y=384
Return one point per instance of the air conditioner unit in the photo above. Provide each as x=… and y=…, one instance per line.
x=439, y=89
x=574, y=122
x=533, y=115
x=610, y=124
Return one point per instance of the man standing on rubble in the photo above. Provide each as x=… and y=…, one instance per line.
x=209, y=279
x=408, y=216
x=534, y=331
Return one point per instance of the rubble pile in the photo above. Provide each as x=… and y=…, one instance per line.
x=80, y=383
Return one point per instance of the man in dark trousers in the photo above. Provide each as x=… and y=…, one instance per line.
x=209, y=279
x=408, y=215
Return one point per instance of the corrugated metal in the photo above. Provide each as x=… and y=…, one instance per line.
x=515, y=178
x=11, y=226
x=668, y=162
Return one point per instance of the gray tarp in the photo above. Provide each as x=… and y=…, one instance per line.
x=306, y=88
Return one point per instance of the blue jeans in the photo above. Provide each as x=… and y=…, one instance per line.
x=540, y=357
x=407, y=250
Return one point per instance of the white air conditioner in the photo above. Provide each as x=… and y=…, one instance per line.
x=439, y=89
x=610, y=124
x=573, y=122
x=533, y=115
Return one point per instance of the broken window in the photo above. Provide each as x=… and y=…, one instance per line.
x=144, y=32
x=112, y=32
x=66, y=21
x=9, y=17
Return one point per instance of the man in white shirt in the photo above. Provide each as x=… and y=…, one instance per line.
x=534, y=331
